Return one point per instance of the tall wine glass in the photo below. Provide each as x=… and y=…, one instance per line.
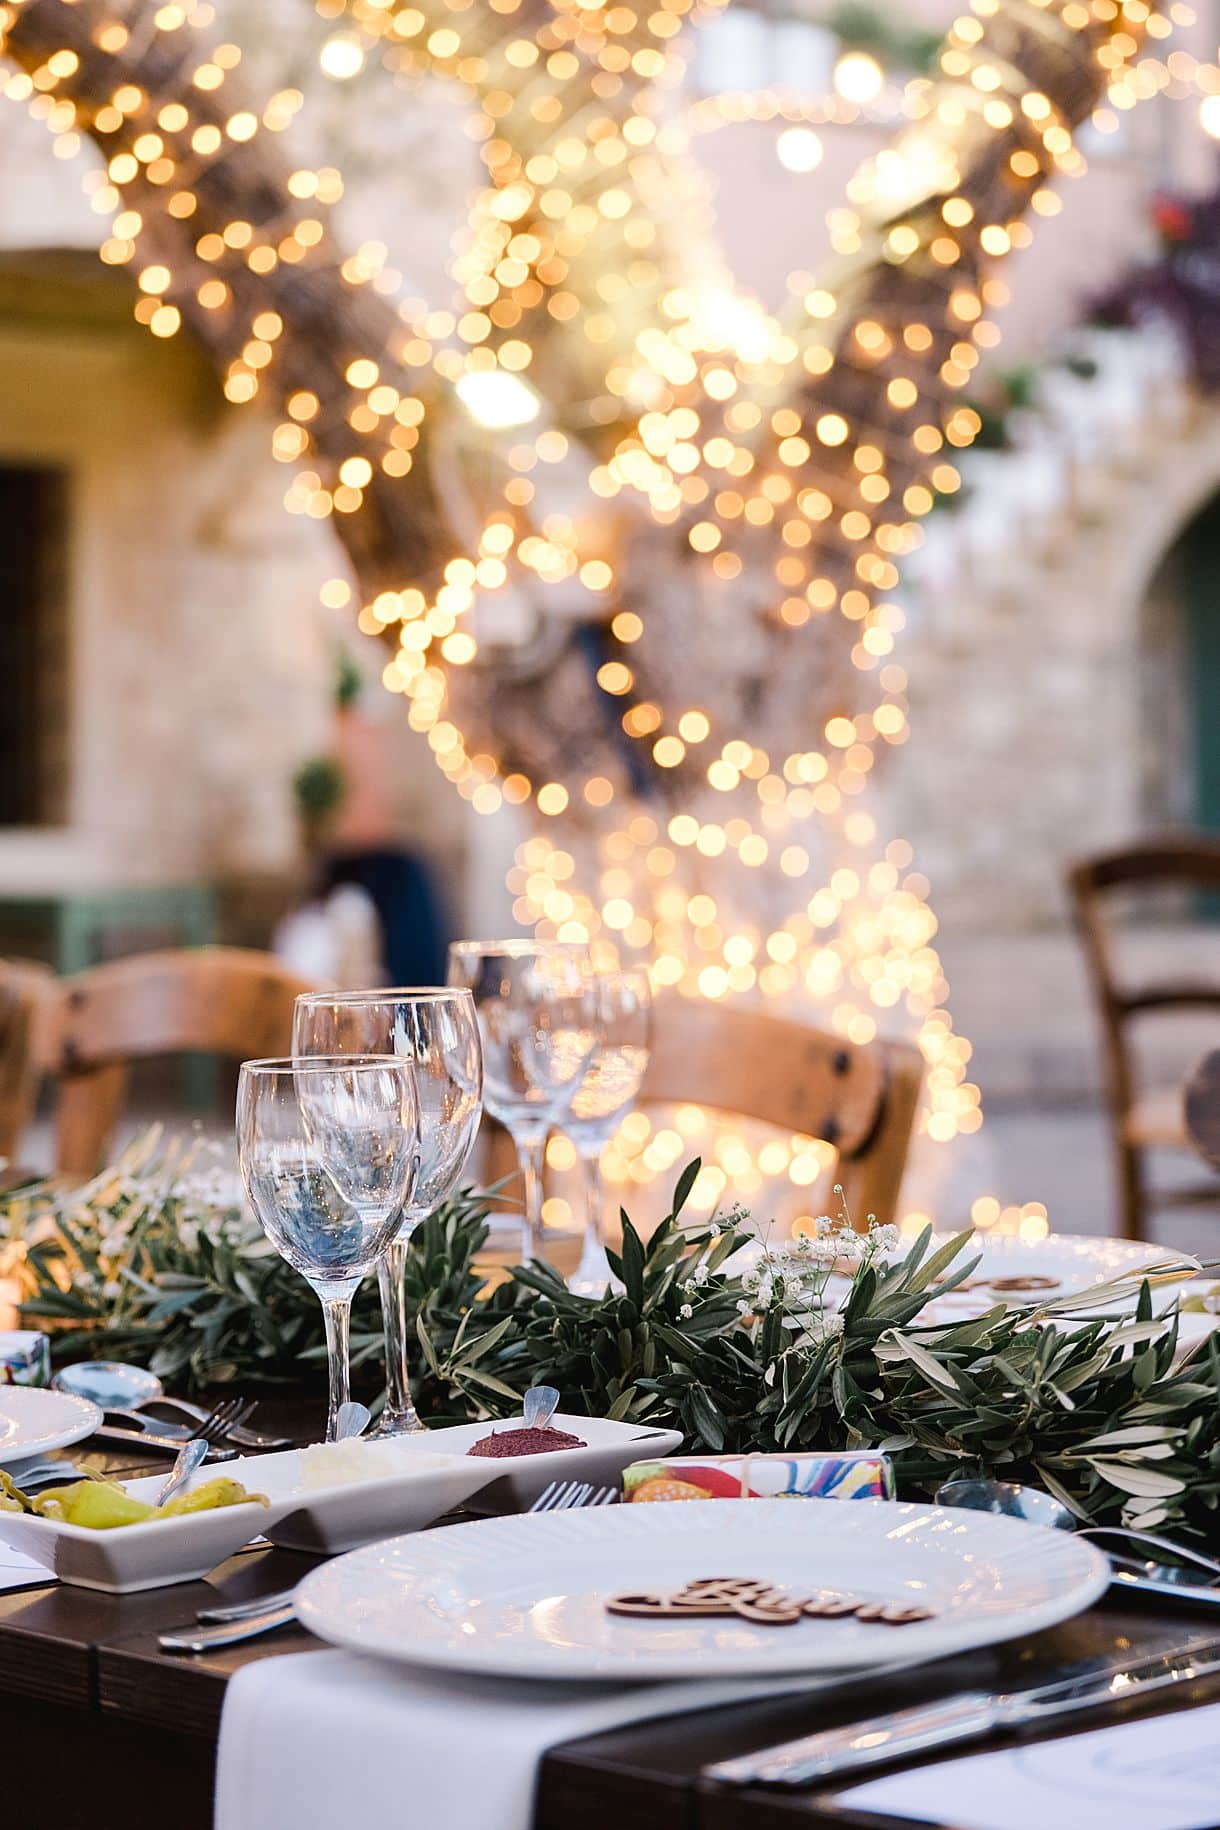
x=538, y=1040
x=620, y=1001
x=437, y=1031
x=329, y=1153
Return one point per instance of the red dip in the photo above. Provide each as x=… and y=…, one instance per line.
x=525, y=1442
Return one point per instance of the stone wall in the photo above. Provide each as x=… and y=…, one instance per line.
x=1035, y=736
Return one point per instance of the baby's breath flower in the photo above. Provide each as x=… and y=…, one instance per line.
x=686, y=1312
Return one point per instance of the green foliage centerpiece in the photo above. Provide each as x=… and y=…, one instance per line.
x=159, y=1261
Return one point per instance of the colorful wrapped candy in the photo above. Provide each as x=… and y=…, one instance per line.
x=25, y=1357
x=859, y=1474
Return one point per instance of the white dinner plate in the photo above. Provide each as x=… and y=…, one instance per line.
x=1074, y=1263
x=525, y=1596
x=34, y=1421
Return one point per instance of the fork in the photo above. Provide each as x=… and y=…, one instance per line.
x=245, y=1438
x=565, y=1496
x=211, y=1431
x=243, y=1620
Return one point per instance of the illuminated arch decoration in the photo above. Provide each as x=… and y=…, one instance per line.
x=632, y=542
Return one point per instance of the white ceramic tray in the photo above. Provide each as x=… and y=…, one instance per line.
x=519, y=1479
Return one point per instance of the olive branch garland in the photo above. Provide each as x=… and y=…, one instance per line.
x=152, y=1263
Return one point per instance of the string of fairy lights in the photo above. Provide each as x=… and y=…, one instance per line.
x=601, y=431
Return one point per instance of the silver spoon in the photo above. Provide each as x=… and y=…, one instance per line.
x=1008, y=1498
x=539, y=1406
x=1130, y=1568
x=1141, y=1540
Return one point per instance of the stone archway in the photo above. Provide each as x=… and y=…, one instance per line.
x=1177, y=628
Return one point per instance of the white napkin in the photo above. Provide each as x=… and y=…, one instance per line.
x=1162, y=1773
x=17, y=1571
x=317, y=1739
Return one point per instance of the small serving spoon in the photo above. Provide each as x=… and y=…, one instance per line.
x=352, y=1420
x=539, y=1406
x=1010, y=1499
x=1133, y=1567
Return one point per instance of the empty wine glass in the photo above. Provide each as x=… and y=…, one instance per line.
x=538, y=1040
x=620, y=1002
x=437, y=1031
x=329, y=1152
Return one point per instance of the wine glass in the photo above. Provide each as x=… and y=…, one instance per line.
x=620, y=1000
x=538, y=1039
x=437, y=1031
x=329, y=1153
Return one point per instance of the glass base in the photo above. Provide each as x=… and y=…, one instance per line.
x=592, y=1275
x=394, y=1423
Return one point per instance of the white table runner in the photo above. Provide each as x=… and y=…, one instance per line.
x=321, y=1739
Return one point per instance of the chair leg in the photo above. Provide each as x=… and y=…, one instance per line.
x=1133, y=1205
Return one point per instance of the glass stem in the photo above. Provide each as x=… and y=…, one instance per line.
x=337, y=1313
x=398, y=1415
x=531, y=1156
x=592, y=1276
x=591, y=1190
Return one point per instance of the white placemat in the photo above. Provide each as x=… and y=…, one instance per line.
x=1162, y=1773
x=318, y=1739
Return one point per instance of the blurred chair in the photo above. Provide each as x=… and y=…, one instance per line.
x=862, y=1099
x=1201, y=1108
x=28, y=1003
x=219, y=1000
x=1142, y=1120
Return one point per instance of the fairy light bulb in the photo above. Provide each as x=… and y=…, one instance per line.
x=799, y=149
x=858, y=78
x=341, y=57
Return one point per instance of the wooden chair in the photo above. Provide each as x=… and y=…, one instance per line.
x=861, y=1099
x=28, y=999
x=220, y=1000
x=1142, y=1120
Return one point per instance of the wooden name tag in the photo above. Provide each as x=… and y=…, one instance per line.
x=751, y=1599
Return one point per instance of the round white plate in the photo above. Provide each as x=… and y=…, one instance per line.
x=1076, y=1264
x=524, y=1596
x=32, y=1421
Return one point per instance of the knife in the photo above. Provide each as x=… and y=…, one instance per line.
x=228, y=1633
x=960, y=1718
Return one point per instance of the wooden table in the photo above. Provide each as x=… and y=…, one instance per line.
x=102, y=1731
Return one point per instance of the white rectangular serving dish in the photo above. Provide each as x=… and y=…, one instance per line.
x=519, y=1479
x=318, y=1518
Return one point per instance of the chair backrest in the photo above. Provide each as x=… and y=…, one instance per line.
x=1185, y=860
x=862, y=1099
x=28, y=1007
x=219, y=1000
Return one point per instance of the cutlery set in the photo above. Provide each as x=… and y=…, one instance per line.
x=137, y=1427
x=965, y=1717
